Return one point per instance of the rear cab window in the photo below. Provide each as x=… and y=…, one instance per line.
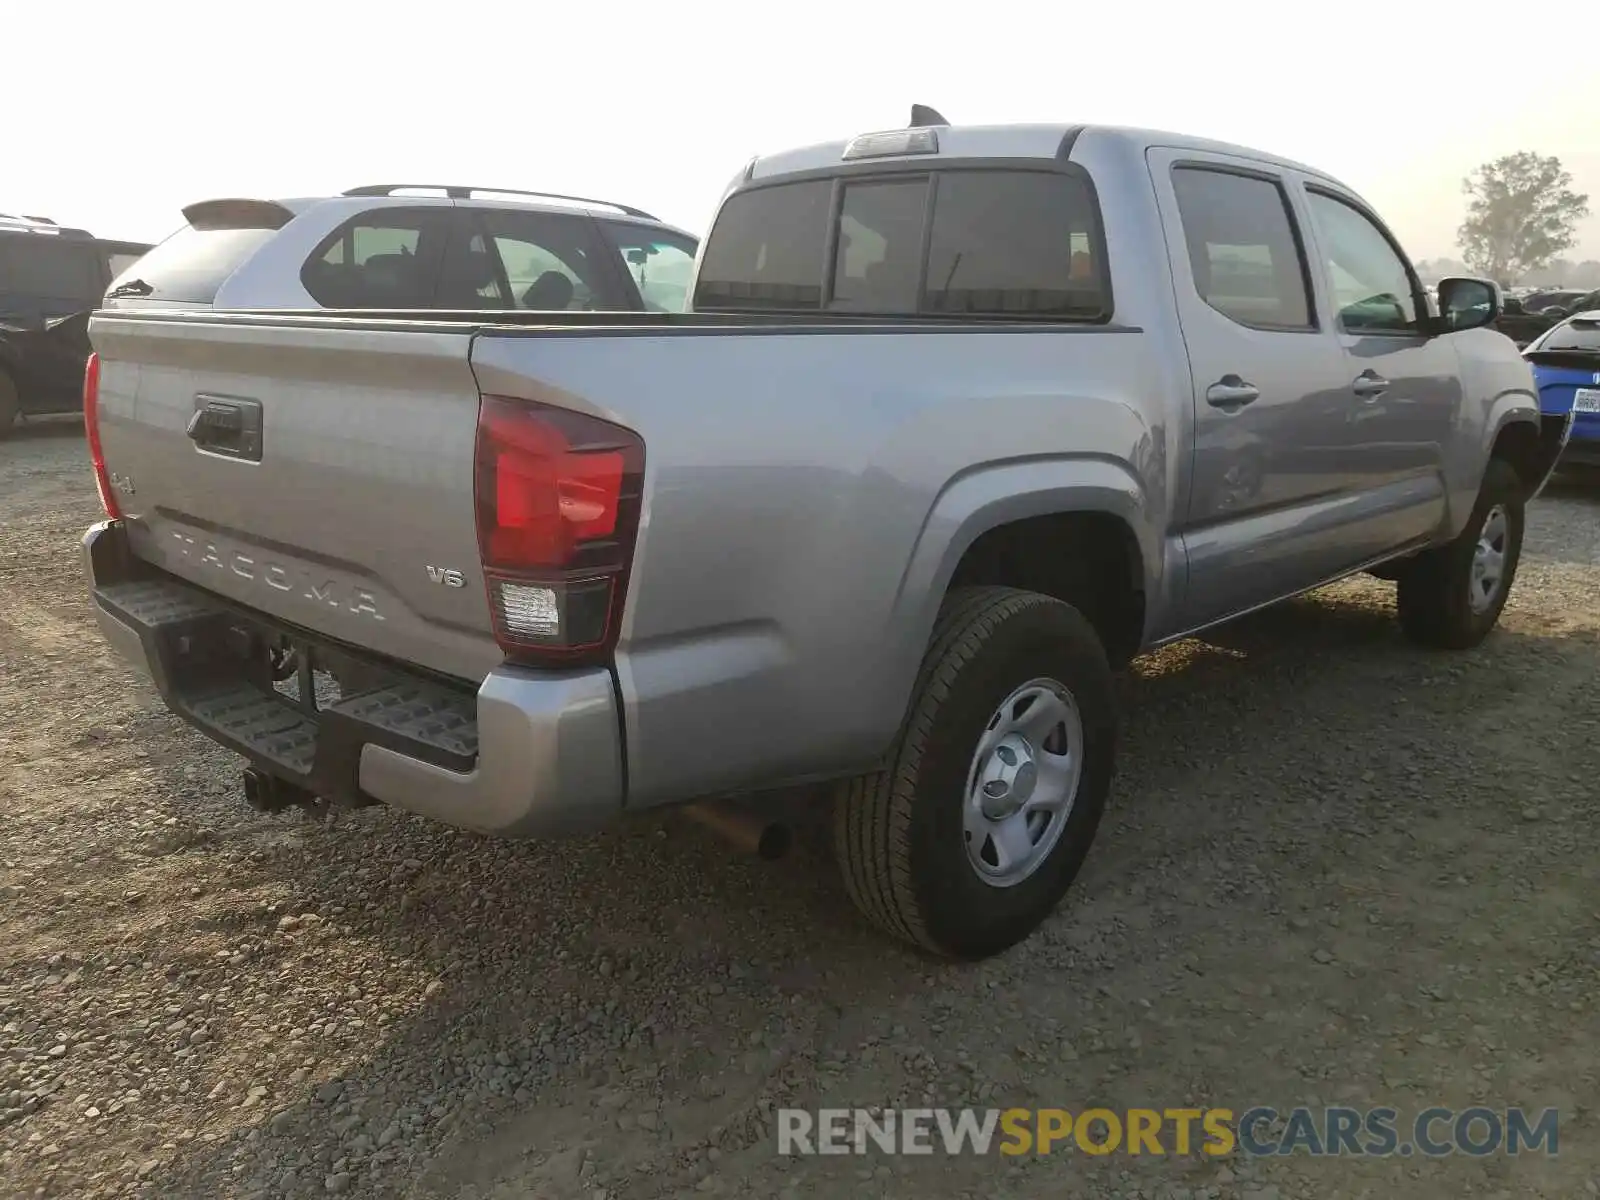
x=957, y=240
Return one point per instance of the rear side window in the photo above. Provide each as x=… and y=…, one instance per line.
x=1001, y=243
x=660, y=263
x=766, y=251
x=546, y=262
x=388, y=258
x=192, y=265
x=1243, y=251
x=49, y=267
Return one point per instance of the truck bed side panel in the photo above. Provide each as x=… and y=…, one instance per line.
x=790, y=479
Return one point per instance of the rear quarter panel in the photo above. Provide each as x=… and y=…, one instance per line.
x=807, y=497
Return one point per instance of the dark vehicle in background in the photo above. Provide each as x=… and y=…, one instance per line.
x=1569, y=304
x=1566, y=369
x=1518, y=324
x=1565, y=299
x=51, y=278
x=1524, y=319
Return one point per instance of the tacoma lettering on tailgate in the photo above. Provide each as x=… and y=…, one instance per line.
x=296, y=579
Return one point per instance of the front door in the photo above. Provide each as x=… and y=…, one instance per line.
x=1404, y=387
x=1269, y=387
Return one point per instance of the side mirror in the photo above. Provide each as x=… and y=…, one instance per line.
x=1466, y=303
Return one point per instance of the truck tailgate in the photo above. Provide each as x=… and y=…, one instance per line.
x=320, y=472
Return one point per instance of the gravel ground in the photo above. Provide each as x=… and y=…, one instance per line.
x=1336, y=870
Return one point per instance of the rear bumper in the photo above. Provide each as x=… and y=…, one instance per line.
x=1583, y=447
x=528, y=754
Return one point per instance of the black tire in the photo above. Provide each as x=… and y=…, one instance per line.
x=10, y=403
x=1434, y=594
x=898, y=833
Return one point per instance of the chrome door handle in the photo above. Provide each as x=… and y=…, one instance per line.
x=1369, y=386
x=1231, y=392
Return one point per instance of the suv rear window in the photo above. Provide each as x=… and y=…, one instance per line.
x=192, y=265
x=1009, y=243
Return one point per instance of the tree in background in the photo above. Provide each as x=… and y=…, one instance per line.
x=1586, y=274
x=1564, y=273
x=1431, y=269
x=1521, y=213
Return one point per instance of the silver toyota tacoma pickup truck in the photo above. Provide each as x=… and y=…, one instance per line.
x=960, y=420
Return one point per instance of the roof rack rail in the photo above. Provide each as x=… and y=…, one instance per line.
x=458, y=192
x=32, y=224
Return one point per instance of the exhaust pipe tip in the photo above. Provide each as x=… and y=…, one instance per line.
x=774, y=842
x=750, y=832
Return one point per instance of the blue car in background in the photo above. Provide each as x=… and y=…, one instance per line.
x=1566, y=368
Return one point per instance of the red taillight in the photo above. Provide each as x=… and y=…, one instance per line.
x=558, y=506
x=91, y=427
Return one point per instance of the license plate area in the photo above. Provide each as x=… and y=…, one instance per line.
x=1586, y=400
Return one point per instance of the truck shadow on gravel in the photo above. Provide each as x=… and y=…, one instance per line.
x=449, y=1014
x=37, y=429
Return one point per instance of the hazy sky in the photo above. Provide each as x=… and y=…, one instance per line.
x=152, y=105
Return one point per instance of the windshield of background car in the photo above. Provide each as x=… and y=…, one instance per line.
x=1020, y=244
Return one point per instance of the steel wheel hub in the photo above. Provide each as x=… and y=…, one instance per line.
x=1489, y=560
x=1022, y=782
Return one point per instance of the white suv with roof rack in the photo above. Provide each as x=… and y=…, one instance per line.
x=415, y=246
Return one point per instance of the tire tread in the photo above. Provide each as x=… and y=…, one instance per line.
x=872, y=815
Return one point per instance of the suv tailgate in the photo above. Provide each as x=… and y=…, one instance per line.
x=333, y=470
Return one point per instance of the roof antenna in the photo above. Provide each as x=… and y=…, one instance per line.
x=922, y=116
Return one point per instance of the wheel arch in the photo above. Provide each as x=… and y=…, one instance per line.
x=1098, y=501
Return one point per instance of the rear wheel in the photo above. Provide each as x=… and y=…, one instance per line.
x=995, y=788
x=1451, y=597
x=10, y=403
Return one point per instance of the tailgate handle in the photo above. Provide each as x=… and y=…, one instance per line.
x=227, y=426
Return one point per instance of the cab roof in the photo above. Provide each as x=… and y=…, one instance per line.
x=1041, y=141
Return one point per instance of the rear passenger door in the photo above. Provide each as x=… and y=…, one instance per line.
x=1263, y=517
